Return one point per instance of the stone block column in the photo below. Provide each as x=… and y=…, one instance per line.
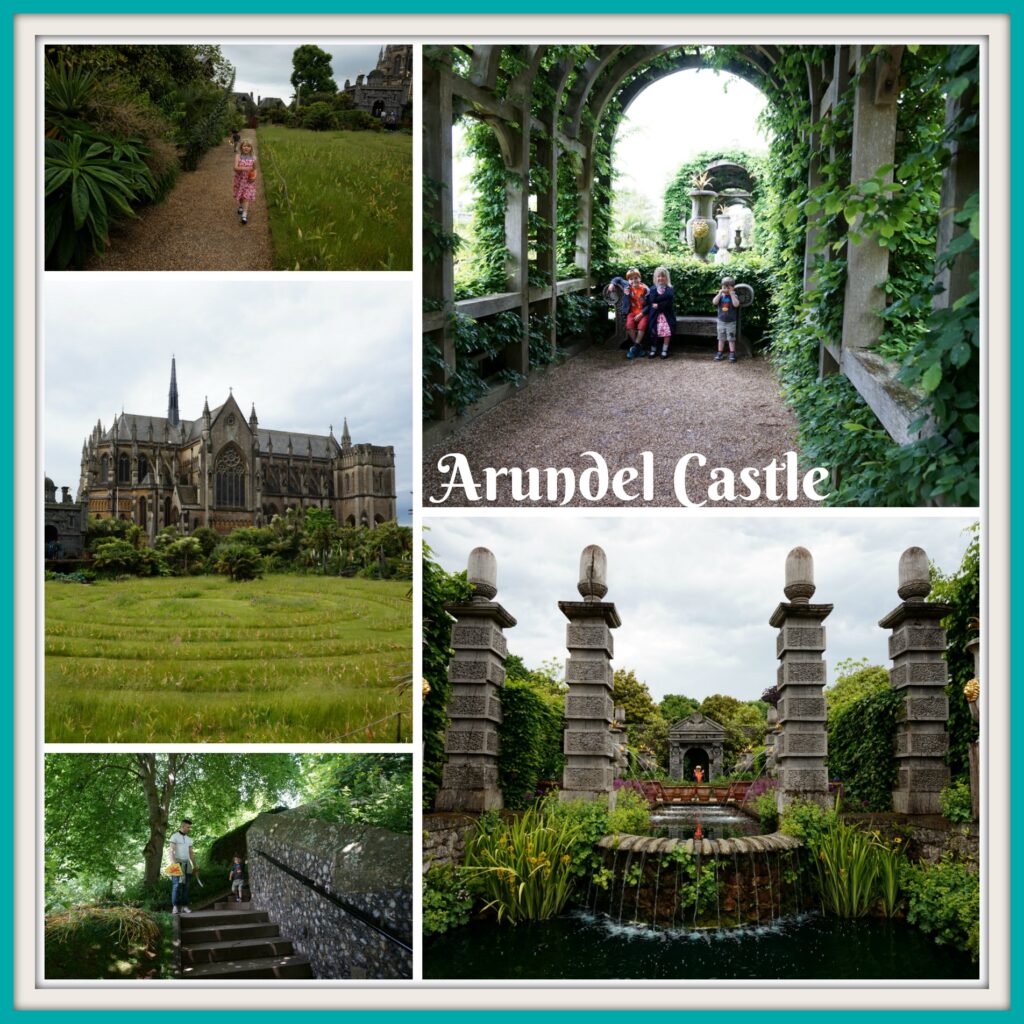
x=801, y=743
x=469, y=781
x=769, y=741
x=589, y=743
x=917, y=647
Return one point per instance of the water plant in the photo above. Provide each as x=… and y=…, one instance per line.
x=523, y=867
x=847, y=870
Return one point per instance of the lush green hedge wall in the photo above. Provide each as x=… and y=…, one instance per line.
x=696, y=283
x=439, y=588
x=860, y=750
x=531, y=741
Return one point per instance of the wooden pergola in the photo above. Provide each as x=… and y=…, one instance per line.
x=620, y=73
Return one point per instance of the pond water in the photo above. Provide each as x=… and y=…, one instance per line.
x=716, y=822
x=804, y=946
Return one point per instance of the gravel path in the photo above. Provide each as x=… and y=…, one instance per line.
x=598, y=401
x=196, y=226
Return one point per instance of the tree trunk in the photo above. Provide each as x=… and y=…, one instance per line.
x=158, y=801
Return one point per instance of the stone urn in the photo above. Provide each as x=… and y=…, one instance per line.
x=724, y=237
x=701, y=228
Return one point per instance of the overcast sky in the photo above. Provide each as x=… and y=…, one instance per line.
x=265, y=69
x=695, y=592
x=291, y=346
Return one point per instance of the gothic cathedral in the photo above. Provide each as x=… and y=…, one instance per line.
x=224, y=470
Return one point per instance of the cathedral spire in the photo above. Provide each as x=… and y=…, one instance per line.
x=172, y=397
x=253, y=422
x=346, y=439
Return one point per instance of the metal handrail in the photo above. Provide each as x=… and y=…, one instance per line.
x=349, y=908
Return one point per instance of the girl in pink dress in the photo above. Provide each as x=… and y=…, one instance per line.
x=245, y=179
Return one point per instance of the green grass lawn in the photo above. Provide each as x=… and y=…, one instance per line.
x=338, y=200
x=297, y=659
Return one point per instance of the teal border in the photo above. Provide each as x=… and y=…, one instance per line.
x=178, y=999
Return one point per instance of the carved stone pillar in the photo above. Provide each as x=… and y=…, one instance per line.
x=469, y=781
x=589, y=745
x=917, y=647
x=769, y=741
x=801, y=744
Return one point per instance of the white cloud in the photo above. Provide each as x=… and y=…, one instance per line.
x=695, y=593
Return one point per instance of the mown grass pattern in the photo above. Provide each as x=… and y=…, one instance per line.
x=285, y=659
x=338, y=200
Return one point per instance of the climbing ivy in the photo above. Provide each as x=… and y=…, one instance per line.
x=861, y=738
x=935, y=353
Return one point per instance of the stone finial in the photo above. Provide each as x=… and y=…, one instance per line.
x=773, y=715
x=593, y=583
x=483, y=573
x=799, y=576
x=915, y=583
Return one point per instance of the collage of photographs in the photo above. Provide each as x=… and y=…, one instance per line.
x=479, y=641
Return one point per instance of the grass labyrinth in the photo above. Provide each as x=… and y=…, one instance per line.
x=300, y=659
x=338, y=200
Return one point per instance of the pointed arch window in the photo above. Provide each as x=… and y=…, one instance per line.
x=104, y=469
x=229, y=479
x=124, y=469
x=143, y=468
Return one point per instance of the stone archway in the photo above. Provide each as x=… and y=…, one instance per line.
x=696, y=740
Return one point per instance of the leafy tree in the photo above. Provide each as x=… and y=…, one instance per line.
x=646, y=728
x=675, y=706
x=208, y=539
x=744, y=723
x=439, y=588
x=312, y=70
x=239, y=562
x=371, y=789
x=318, y=117
x=854, y=679
x=115, y=556
x=321, y=532
x=183, y=553
x=106, y=812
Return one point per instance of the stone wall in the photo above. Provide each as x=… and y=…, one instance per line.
x=370, y=868
x=444, y=838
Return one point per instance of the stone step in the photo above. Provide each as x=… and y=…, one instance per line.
x=293, y=966
x=233, y=905
x=226, y=932
x=211, y=918
x=236, y=949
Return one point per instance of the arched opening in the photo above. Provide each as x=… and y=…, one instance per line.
x=143, y=468
x=51, y=541
x=167, y=512
x=142, y=513
x=378, y=519
x=653, y=167
x=124, y=469
x=350, y=520
x=696, y=757
x=378, y=108
x=104, y=469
